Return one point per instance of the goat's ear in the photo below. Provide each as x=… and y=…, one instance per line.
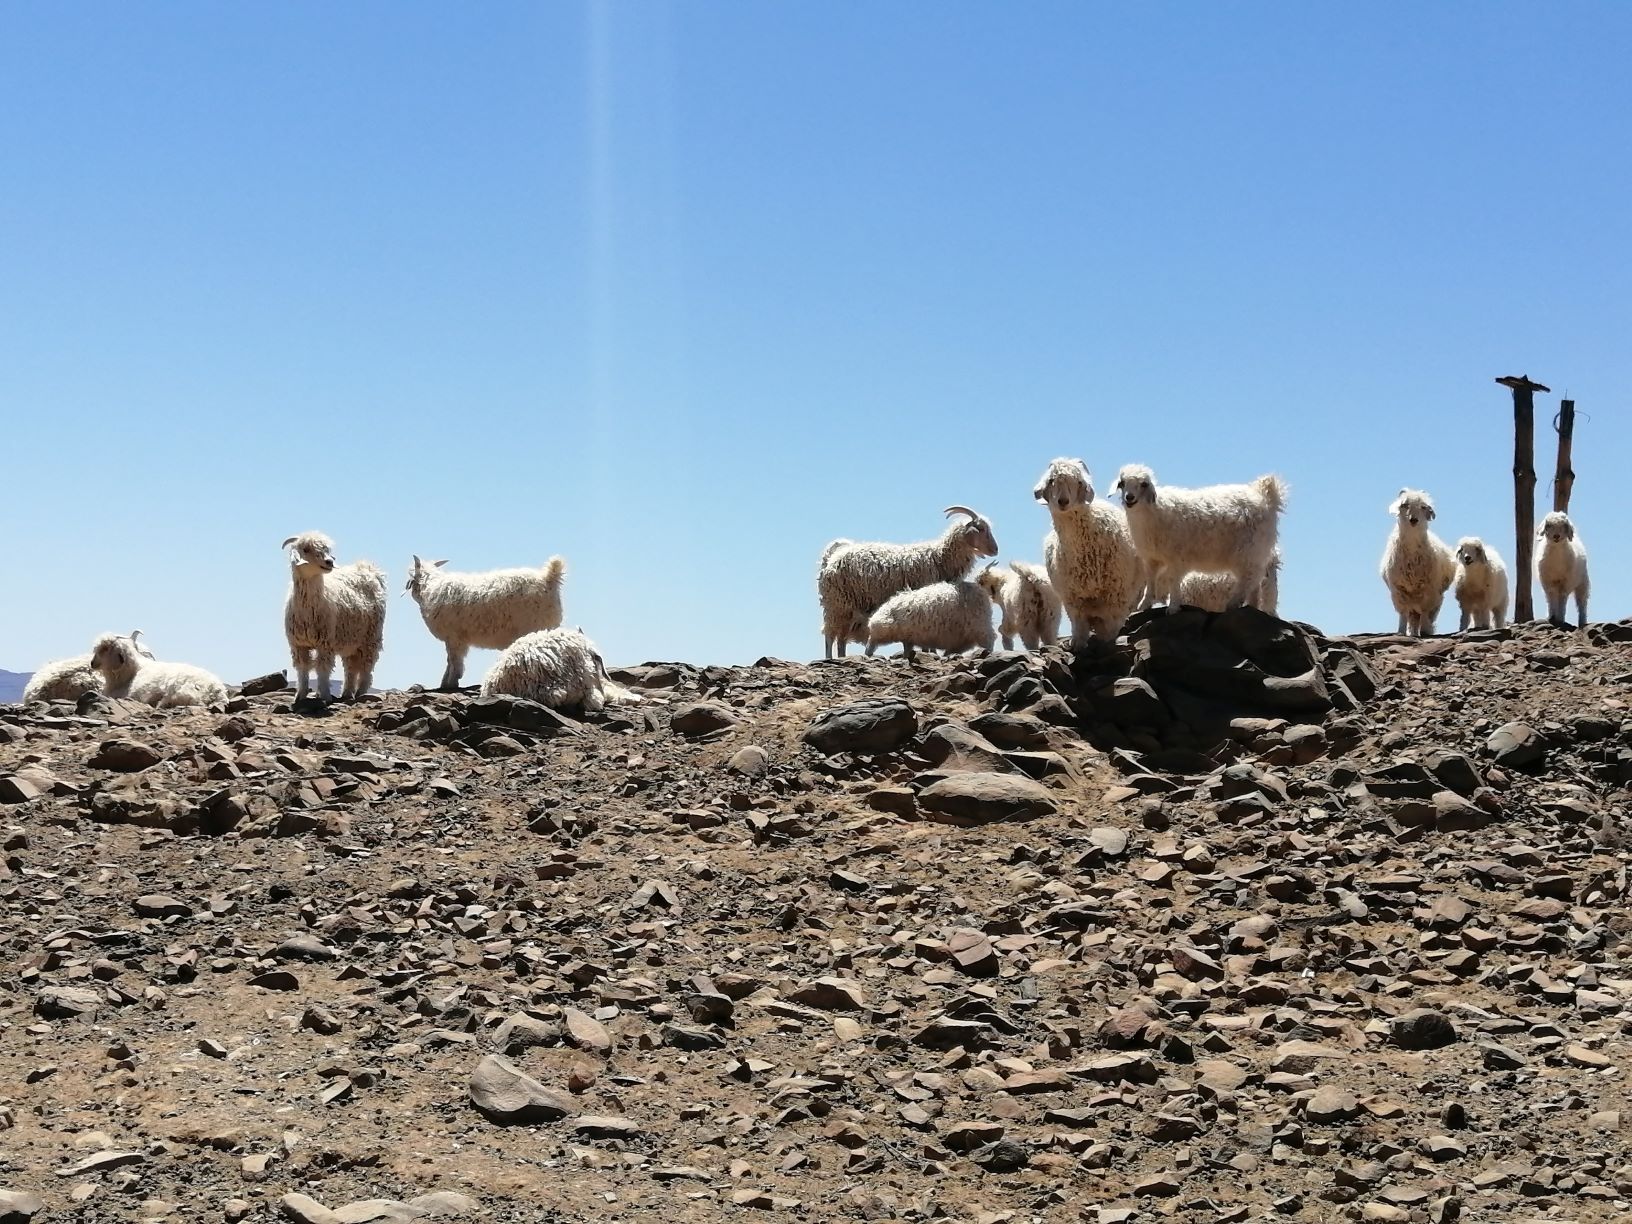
x=1040, y=493
x=1431, y=513
x=1569, y=530
x=1394, y=506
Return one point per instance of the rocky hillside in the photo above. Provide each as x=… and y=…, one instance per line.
x=1225, y=923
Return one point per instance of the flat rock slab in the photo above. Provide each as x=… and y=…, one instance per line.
x=976, y=798
x=505, y=1093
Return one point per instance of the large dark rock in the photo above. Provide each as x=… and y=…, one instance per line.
x=975, y=798
x=1205, y=669
x=877, y=724
x=1517, y=745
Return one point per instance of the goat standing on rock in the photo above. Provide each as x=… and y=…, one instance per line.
x=1232, y=528
x=854, y=579
x=1561, y=568
x=1418, y=567
x=332, y=612
x=1092, y=564
x=1025, y=597
x=1481, y=585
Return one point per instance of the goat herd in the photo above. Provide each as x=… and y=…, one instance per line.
x=1214, y=547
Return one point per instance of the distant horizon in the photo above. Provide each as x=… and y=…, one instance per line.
x=684, y=292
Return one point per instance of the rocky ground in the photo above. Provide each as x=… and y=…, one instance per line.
x=1229, y=922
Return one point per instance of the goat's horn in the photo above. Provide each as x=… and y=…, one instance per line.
x=288, y=542
x=951, y=510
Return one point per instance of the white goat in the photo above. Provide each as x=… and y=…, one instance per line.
x=1212, y=591
x=127, y=672
x=1480, y=585
x=947, y=616
x=1031, y=610
x=559, y=668
x=1092, y=562
x=1561, y=568
x=332, y=611
x=1232, y=528
x=854, y=579
x=1418, y=567
x=71, y=679
x=490, y=609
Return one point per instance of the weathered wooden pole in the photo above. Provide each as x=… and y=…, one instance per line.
x=1524, y=490
x=1564, y=474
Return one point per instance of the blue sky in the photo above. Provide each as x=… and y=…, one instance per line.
x=682, y=292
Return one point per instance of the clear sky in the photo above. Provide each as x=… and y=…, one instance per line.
x=682, y=292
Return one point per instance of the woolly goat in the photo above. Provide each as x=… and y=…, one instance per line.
x=70, y=679
x=1025, y=597
x=1091, y=560
x=489, y=609
x=1418, y=567
x=128, y=672
x=854, y=579
x=1561, y=568
x=949, y=616
x=332, y=611
x=1232, y=528
x=559, y=668
x=1480, y=585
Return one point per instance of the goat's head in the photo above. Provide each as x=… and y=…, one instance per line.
x=1065, y=483
x=311, y=548
x=1413, y=508
x=1556, y=528
x=417, y=573
x=111, y=653
x=1137, y=485
x=977, y=531
x=1470, y=550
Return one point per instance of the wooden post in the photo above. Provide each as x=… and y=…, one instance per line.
x=1524, y=490
x=1564, y=474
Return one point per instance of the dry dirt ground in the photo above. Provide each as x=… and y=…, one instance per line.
x=1026, y=939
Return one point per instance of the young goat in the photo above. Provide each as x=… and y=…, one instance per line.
x=1480, y=585
x=1025, y=597
x=127, y=672
x=854, y=579
x=1561, y=568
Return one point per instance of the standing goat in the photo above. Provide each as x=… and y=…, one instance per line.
x=1233, y=528
x=1480, y=585
x=854, y=579
x=1025, y=596
x=490, y=609
x=332, y=612
x=71, y=679
x=1561, y=568
x=1418, y=567
x=130, y=673
x=1092, y=563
